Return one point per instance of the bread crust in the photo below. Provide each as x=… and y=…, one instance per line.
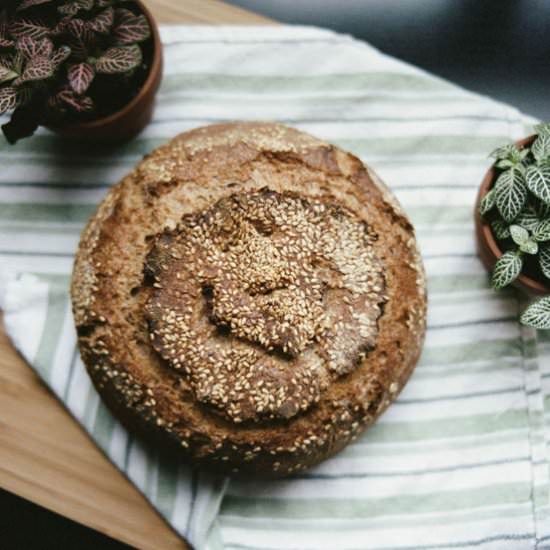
x=189, y=175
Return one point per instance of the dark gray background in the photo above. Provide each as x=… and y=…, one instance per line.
x=499, y=48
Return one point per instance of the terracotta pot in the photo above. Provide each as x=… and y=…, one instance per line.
x=131, y=119
x=487, y=246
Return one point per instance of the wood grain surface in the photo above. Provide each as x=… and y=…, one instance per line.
x=44, y=455
x=205, y=12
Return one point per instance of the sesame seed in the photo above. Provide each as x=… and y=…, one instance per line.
x=276, y=297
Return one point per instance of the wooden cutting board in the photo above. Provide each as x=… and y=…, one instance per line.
x=45, y=456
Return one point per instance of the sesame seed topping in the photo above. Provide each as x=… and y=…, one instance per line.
x=263, y=299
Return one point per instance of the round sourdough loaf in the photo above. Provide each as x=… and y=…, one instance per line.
x=250, y=296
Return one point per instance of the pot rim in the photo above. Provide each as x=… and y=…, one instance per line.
x=485, y=228
x=149, y=81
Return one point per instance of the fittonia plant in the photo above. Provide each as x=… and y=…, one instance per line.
x=64, y=61
x=518, y=210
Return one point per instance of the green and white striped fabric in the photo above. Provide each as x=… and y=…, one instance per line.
x=461, y=459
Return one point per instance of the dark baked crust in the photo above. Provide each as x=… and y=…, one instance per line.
x=110, y=294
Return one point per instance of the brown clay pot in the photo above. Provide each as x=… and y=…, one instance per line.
x=487, y=246
x=130, y=120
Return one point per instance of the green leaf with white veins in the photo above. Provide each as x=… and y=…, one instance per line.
x=503, y=152
x=519, y=234
x=500, y=229
x=504, y=164
x=507, y=268
x=544, y=260
x=543, y=210
x=518, y=156
x=537, y=315
x=541, y=232
x=541, y=147
x=487, y=202
x=529, y=247
x=543, y=128
x=527, y=218
x=537, y=177
x=511, y=193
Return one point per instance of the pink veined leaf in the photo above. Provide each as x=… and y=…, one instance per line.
x=60, y=55
x=8, y=99
x=119, y=60
x=77, y=102
x=29, y=3
x=80, y=77
x=44, y=47
x=5, y=42
x=103, y=22
x=76, y=28
x=132, y=30
x=38, y=68
x=122, y=15
x=82, y=38
x=28, y=27
x=26, y=46
x=6, y=61
x=61, y=27
x=72, y=8
x=30, y=47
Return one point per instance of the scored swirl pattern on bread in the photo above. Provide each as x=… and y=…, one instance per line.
x=263, y=299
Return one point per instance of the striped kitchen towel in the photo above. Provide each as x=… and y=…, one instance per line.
x=461, y=459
